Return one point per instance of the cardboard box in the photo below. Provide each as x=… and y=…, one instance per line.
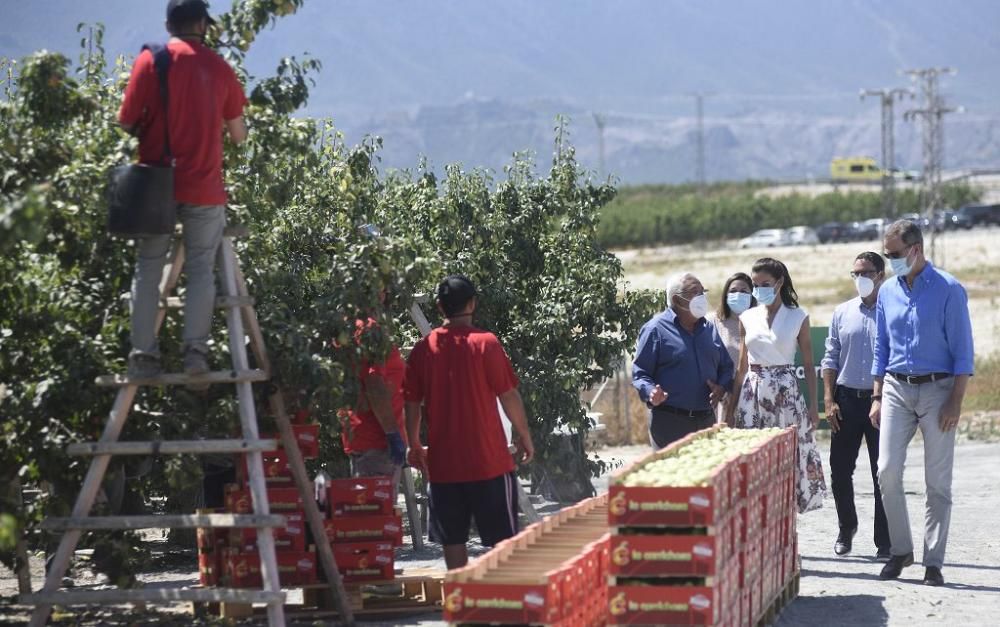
x=294, y=568
x=668, y=555
x=384, y=527
x=687, y=506
x=365, y=561
x=361, y=495
x=307, y=437
x=474, y=602
x=664, y=605
x=281, y=500
x=291, y=537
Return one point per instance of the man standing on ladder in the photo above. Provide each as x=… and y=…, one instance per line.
x=205, y=96
x=457, y=372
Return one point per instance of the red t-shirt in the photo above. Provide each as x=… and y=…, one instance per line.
x=458, y=372
x=364, y=432
x=203, y=91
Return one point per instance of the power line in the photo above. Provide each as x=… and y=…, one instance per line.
x=887, y=98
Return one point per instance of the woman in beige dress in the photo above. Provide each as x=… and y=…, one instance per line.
x=736, y=298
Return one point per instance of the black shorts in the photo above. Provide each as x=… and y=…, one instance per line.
x=491, y=502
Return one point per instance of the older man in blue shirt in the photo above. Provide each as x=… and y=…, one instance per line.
x=923, y=361
x=681, y=367
x=848, y=383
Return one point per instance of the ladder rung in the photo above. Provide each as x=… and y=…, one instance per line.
x=168, y=521
x=224, y=376
x=155, y=595
x=172, y=447
x=221, y=302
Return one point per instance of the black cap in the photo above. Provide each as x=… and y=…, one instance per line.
x=454, y=293
x=185, y=10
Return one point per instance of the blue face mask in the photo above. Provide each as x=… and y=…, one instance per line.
x=764, y=295
x=738, y=302
x=900, y=267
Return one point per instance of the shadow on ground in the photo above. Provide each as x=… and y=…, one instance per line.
x=835, y=611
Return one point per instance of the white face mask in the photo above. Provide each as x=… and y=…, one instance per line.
x=698, y=306
x=865, y=286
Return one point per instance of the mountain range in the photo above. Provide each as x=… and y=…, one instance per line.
x=473, y=81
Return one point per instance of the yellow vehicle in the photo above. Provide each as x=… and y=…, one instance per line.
x=855, y=169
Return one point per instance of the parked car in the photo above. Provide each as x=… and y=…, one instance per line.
x=802, y=236
x=948, y=220
x=981, y=215
x=917, y=219
x=765, y=238
x=870, y=229
x=832, y=232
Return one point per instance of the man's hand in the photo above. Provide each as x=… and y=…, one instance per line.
x=875, y=415
x=658, y=396
x=715, y=392
x=950, y=414
x=832, y=413
x=397, y=448
x=418, y=458
x=524, y=450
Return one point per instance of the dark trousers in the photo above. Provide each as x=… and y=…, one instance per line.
x=665, y=428
x=844, y=447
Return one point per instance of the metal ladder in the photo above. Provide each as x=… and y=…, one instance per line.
x=239, y=310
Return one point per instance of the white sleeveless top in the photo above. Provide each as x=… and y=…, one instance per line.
x=774, y=345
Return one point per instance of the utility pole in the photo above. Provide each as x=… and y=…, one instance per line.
x=699, y=165
x=933, y=138
x=888, y=98
x=600, y=121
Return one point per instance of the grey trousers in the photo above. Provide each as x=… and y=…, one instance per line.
x=203, y=226
x=906, y=407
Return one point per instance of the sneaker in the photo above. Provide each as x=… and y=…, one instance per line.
x=195, y=363
x=143, y=366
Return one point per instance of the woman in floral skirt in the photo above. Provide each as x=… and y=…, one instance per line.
x=769, y=396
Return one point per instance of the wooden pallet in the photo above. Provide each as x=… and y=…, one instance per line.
x=780, y=602
x=419, y=591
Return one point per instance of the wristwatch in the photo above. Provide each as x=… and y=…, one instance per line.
x=876, y=397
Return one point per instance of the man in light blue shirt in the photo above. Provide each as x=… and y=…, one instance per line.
x=848, y=383
x=923, y=361
x=681, y=367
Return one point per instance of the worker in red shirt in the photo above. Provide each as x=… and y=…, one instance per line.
x=204, y=97
x=457, y=373
x=373, y=435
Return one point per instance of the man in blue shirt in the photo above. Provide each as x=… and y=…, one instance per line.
x=847, y=383
x=923, y=361
x=681, y=367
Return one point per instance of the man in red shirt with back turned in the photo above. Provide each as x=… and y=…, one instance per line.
x=457, y=373
x=205, y=97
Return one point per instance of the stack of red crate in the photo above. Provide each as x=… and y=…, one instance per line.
x=714, y=554
x=554, y=572
x=238, y=562
x=364, y=527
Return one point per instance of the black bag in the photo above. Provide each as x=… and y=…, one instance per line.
x=140, y=195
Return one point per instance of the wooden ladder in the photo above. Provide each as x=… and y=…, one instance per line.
x=238, y=304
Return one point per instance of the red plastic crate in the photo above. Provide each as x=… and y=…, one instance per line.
x=361, y=495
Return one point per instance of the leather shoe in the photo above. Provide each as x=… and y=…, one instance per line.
x=933, y=576
x=844, y=541
x=883, y=555
x=896, y=564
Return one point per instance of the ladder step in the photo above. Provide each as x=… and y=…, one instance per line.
x=225, y=376
x=154, y=595
x=168, y=521
x=221, y=302
x=172, y=447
